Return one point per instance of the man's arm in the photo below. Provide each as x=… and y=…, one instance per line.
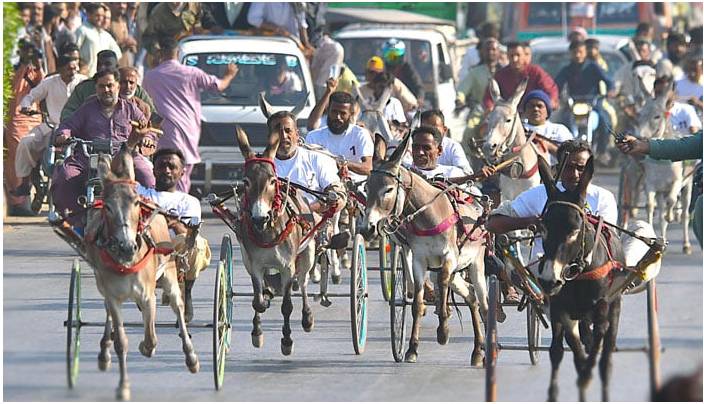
x=37, y=94
x=362, y=168
x=317, y=113
x=686, y=148
x=230, y=74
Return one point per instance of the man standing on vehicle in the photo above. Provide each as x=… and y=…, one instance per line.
x=55, y=90
x=105, y=116
x=394, y=54
x=582, y=77
x=176, y=91
x=284, y=19
x=518, y=69
x=168, y=170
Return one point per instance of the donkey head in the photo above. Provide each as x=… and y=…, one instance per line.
x=121, y=206
x=654, y=117
x=385, y=192
x=260, y=181
x=502, y=125
x=372, y=115
x=565, y=240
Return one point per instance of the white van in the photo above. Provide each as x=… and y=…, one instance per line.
x=260, y=60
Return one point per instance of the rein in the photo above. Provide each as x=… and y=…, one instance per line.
x=518, y=149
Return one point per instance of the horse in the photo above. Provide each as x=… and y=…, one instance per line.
x=664, y=180
x=271, y=235
x=580, y=272
x=127, y=259
x=394, y=191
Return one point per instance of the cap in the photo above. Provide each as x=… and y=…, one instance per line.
x=375, y=64
x=542, y=96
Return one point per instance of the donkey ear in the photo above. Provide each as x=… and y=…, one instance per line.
x=585, y=179
x=243, y=142
x=546, y=176
x=266, y=108
x=494, y=91
x=272, y=146
x=379, y=148
x=400, y=151
x=301, y=105
x=518, y=95
x=104, y=171
x=643, y=88
x=123, y=164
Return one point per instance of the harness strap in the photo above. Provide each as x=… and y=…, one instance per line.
x=598, y=273
x=599, y=227
x=123, y=270
x=437, y=229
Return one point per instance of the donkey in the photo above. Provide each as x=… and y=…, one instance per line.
x=372, y=115
x=664, y=180
x=127, y=266
x=579, y=271
x=394, y=191
x=271, y=235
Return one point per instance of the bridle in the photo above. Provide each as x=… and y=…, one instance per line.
x=578, y=265
x=392, y=223
x=515, y=151
x=510, y=139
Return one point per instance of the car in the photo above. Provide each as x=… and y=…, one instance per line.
x=362, y=41
x=552, y=53
x=260, y=60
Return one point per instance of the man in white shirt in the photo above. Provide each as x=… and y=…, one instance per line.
x=527, y=208
x=168, y=169
x=55, y=90
x=691, y=88
x=537, y=110
x=426, y=150
x=91, y=38
x=285, y=19
x=452, y=152
x=349, y=142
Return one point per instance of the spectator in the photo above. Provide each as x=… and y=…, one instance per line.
x=283, y=81
x=578, y=34
x=473, y=55
x=394, y=55
x=283, y=19
x=119, y=28
x=671, y=63
x=66, y=31
x=27, y=76
x=375, y=67
x=594, y=55
x=106, y=60
x=452, y=153
x=517, y=70
x=50, y=24
x=176, y=90
x=91, y=38
x=689, y=89
x=471, y=89
x=54, y=91
x=107, y=20
x=328, y=53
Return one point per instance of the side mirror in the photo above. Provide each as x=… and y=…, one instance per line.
x=445, y=72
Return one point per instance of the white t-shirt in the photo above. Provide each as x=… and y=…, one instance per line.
x=600, y=201
x=177, y=203
x=687, y=89
x=447, y=172
x=353, y=144
x=682, y=117
x=453, y=155
x=309, y=169
x=553, y=131
x=393, y=111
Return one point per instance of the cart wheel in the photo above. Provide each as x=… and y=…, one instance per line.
x=221, y=325
x=385, y=258
x=491, y=349
x=73, y=325
x=533, y=333
x=359, y=295
x=397, y=303
x=226, y=258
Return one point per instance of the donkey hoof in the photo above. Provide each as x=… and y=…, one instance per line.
x=146, y=350
x=443, y=335
x=123, y=393
x=308, y=322
x=687, y=249
x=193, y=363
x=104, y=361
x=410, y=357
x=477, y=359
x=258, y=340
x=286, y=348
x=500, y=314
x=336, y=279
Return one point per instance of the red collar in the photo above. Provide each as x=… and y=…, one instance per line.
x=440, y=228
x=124, y=270
x=530, y=173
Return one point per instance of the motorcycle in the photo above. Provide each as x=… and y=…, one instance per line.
x=583, y=120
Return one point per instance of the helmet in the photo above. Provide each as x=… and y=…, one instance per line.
x=393, y=51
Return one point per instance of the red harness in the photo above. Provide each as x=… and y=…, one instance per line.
x=609, y=266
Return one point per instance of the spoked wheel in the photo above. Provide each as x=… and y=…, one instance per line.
x=385, y=259
x=397, y=303
x=533, y=333
x=491, y=349
x=222, y=311
x=226, y=258
x=73, y=325
x=359, y=295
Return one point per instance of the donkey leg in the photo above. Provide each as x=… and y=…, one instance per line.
x=478, y=350
x=286, y=310
x=571, y=328
x=609, y=345
x=120, y=338
x=443, y=332
x=650, y=206
x=411, y=355
x=259, y=307
x=148, y=345
x=601, y=323
x=557, y=351
x=302, y=267
x=478, y=279
x=104, y=358
x=171, y=287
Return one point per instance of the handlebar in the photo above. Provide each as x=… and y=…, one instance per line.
x=137, y=125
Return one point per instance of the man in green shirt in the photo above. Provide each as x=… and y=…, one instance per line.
x=106, y=60
x=686, y=148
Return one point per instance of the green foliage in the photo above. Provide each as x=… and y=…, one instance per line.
x=12, y=22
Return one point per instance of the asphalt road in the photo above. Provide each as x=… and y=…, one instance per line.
x=323, y=366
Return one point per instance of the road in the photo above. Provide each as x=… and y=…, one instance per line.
x=323, y=366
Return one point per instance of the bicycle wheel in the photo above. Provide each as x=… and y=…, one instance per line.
x=533, y=333
x=384, y=266
x=397, y=303
x=359, y=295
x=491, y=348
x=73, y=325
x=221, y=325
x=228, y=260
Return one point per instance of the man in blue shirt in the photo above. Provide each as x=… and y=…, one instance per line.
x=582, y=77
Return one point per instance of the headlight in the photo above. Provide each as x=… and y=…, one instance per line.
x=580, y=109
